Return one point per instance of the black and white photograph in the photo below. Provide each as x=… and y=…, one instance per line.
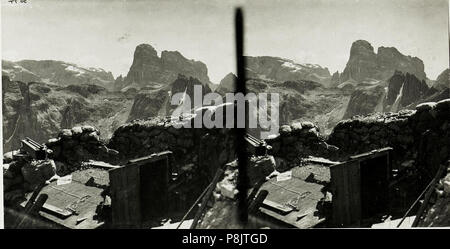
x=225, y=114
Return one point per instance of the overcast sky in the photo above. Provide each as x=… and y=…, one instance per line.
x=105, y=33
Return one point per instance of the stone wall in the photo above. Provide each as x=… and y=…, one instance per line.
x=297, y=141
x=81, y=143
x=210, y=148
x=422, y=135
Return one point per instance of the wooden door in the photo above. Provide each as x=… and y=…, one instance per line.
x=345, y=187
x=125, y=196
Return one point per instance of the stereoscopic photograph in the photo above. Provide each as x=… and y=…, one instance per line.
x=235, y=114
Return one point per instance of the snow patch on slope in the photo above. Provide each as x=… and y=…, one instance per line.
x=296, y=66
x=77, y=70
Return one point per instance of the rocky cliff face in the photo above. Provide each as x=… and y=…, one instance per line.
x=335, y=79
x=39, y=110
x=279, y=69
x=300, y=100
x=403, y=90
x=365, y=101
x=227, y=84
x=366, y=65
x=442, y=81
x=56, y=72
x=148, y=68
x=157, y=102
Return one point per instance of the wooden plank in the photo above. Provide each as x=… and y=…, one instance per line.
x=114, y=184
x=354, y=186
x=134, y=204
x=118, y=195
x=277, y=206
x=371, y=154
x=345, y=182
x=347, y=194
x=339, y=195
x=125, y=196
x=150, y=158
x=335, y=190
x=56, y=210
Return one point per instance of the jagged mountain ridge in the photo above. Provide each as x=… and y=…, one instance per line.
x=150, y=69
x=55, y=72
x=157, y=102
x=280, y=69
x=401, y=91
x=364, y=65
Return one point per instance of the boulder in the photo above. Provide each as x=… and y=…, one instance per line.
x=88, y=128
x=38, y=171
x=296, y=126
x=8, y=157
x=77, y=131
x=284, y=129
x=307, y=125
x=425, y=106
x=260, y=167
x=65, y=133
x=52, y=142
x=443, y=104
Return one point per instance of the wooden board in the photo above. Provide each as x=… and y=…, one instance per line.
x=139, y=190
x=125, y=192
x=345, y=187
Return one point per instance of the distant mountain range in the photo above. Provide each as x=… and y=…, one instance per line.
x=55, y=72
x=41, y=97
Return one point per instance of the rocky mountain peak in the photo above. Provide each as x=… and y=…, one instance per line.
x=149, y=69
x=366, y=65
x=361, y=47
x=335, y=79
x=172, y=56
x=145, y=51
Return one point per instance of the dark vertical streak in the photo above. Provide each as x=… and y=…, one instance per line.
x=241, y=149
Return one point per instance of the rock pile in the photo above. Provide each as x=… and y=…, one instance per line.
x=259, y=167
x=81, y=143
x=23, y=174
x=297, y=141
